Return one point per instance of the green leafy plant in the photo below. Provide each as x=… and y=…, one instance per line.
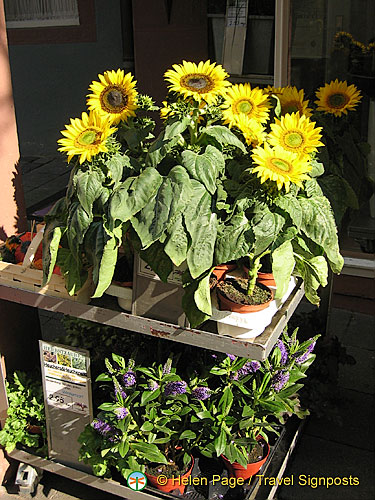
x=229, y=176
x=254, y=398
x=146, y=425
x=25, y=412
x=158, y=414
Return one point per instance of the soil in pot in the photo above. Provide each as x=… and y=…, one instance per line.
x=172, y=473
x=233, y=296
x=213, y=281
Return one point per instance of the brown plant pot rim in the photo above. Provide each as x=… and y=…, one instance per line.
x=172, y=483
x=263, y=278
x=221, y=270
x=125, y=284
x=34, y=429
x=237, y=470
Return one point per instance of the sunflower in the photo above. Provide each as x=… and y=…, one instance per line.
x=295, y=133
x=242, y=99
x=253, y=132
x=114, y=96
x=204, y=81
x=292, y=100
x=280, y=166
x=270, y=89
x=337, y=98
x=86, y=137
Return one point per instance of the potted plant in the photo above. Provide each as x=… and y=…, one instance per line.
x=228, y=177
x=146, y=425
x=256, y=398
x=25, y=424
x=81, y=234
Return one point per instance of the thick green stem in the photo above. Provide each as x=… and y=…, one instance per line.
x=193, y=128
x=253, y=273
x=254, y=266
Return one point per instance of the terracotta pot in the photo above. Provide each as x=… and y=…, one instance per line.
x=236, y=470
x=125, y=284
x=173, y=483
x=34, y=429
x=221, y=270
x=226, y=304
x=266, y=279
x=263, y=278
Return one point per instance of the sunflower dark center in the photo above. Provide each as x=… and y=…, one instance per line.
x=293, y=139
x=88, y=137
x=244, y=107
x=197, y=83
x=291, y=107
x=280, y=164
x=337, y=100
x=113, y=99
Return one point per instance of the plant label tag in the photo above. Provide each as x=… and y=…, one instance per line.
x=67, y=395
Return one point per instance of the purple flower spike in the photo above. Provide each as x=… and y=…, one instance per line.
x=175, y=388
x=248, y=367
x=232, y=357
x=129, y=378
x=167, y=367
x=102, y=427
x=201, y=393
x=121, y=412
x=283, y=351
x=119, y=392
x=301, y=359
x=279, y=380
x=153, y=385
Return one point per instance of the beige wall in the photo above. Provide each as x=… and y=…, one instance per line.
x=12, y=206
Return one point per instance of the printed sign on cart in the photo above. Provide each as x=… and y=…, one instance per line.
x=65, y=377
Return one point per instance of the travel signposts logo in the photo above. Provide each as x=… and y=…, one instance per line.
x=137, y=481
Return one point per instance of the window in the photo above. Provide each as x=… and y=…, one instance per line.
x=41, y=13
x=50, y=21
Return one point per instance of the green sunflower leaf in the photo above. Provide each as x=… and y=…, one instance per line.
x=224, y=136
x=204, y=167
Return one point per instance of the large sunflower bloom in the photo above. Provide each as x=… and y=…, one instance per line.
x=292, y=100
x=295, y=133
x=114, y=96
x=280, y=166
x=203, y=81
x=337, y=98
x=86, y=137
x=253, y=132
x=241, y=99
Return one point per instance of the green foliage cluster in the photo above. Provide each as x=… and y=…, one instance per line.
x=26, y=407
x=345, y=182
x=161, y=413
x=188, y=198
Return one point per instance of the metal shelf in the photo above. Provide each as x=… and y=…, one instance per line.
x=107, y=485
x=105, y=311
x=274, y=467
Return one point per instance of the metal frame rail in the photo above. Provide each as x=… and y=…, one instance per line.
x=257, y=348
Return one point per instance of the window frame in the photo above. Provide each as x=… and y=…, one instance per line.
x=84, y=32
